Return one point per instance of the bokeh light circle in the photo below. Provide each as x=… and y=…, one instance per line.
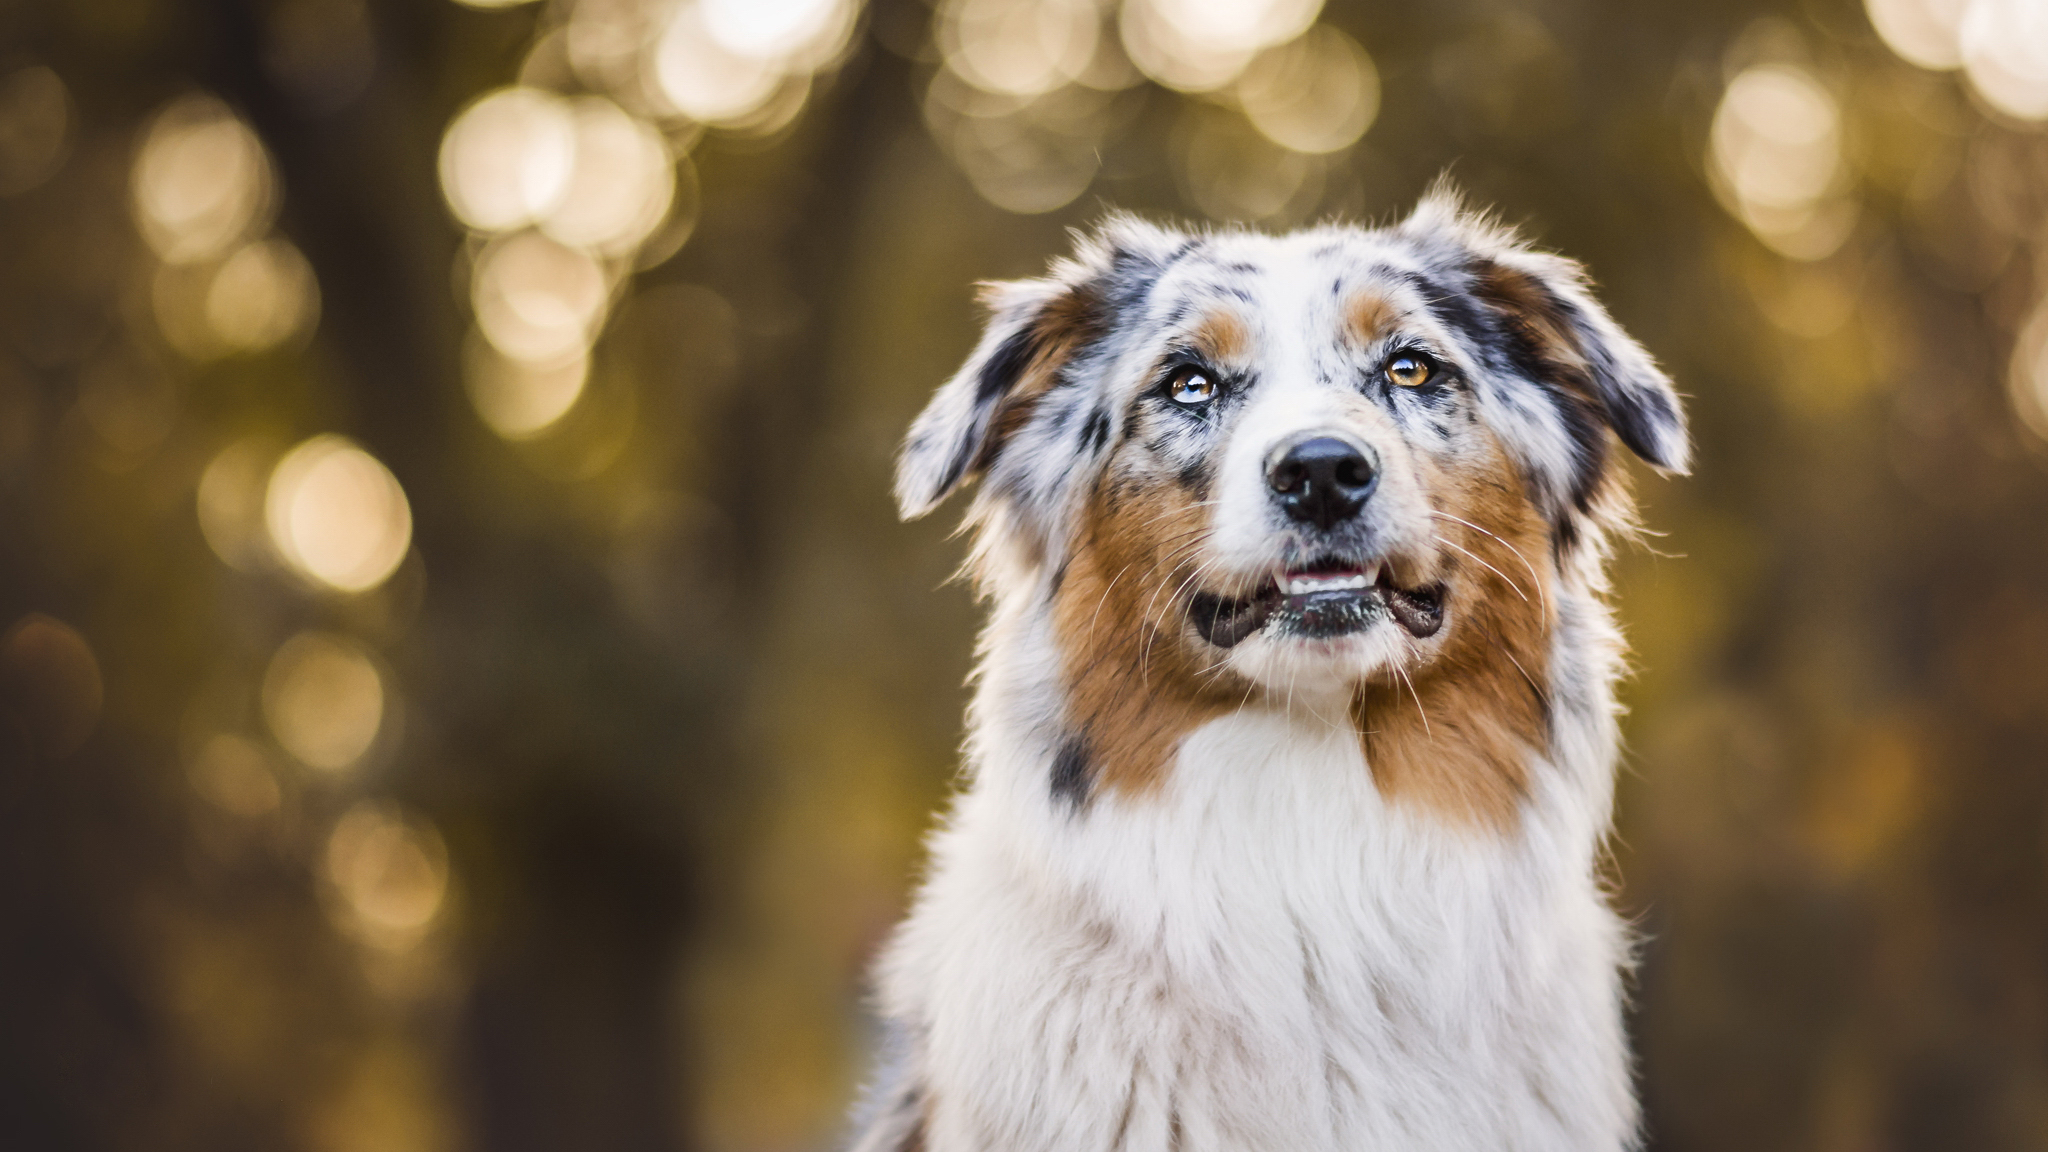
x=537, y=300
x=505, y=160
x=1019, y=47
x=390, y=868
x=324, y=700
x=1776, y=156
x=201, y=180
x=620, y=182
x=336, y=515
x=1317, y=93
x=2005, y=54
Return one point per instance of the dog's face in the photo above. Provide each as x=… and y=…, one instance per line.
x=1306, y=464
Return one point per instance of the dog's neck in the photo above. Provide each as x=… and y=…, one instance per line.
x=1475, y=745
x=1267, y=941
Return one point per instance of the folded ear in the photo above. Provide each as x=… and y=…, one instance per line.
x=1033, y=327
x=1548, y=299
x=1566, y=338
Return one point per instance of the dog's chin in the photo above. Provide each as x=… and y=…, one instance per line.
x=1317, y=605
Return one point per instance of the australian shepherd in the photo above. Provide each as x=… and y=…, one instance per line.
x=1293, y=737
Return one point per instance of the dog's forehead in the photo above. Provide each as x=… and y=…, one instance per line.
x=1246, y=294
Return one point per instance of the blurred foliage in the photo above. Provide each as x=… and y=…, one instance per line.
x=463, y=682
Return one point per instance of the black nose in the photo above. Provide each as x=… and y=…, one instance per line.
x=1323, y=481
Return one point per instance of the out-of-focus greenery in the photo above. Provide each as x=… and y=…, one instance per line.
x=549, y=780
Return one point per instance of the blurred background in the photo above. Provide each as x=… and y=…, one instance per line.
x=462, y=684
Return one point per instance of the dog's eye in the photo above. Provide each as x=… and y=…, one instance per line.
x=1410, y=370
x=1192, y=387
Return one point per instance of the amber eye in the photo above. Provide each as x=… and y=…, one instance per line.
x=1191, y=386
x=1409, y=370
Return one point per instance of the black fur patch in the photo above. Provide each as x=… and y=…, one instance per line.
x=1095, y=432
x=1072, y=774
x=1005, y=365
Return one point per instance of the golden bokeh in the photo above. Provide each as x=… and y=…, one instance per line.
x=337, y=516
x=390, y=869
x=1925, y=32
x=324, y=700
x=620, y=181
x=2005, y=53
x=1318, y=93
x=537, y=300
x=229, y=500
x=507, y=158
x=701, y=78
x=263, y=295
x=1777, y=159
x=201, y=181
x=1019, y=47
x=2027, y=378
x=1203, y=45
x=518, y=399
x=233, y=774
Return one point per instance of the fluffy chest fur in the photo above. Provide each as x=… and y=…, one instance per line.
x=1267, y=954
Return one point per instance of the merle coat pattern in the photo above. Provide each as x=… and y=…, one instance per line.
x=1282, y=807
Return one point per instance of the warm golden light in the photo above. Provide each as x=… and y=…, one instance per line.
x=797, y=35
x=336, y=515
x=1019, y=47
x=324, y=700
x=1024, y=155
x=1202, y=45
x=201, y=181
x=390, y=869
x=620, y=183
x=234, y=775
x=230, y=503
x=1318, y=93
x=262, y=296
x=518, y=400
x=1924, y=32
x=506, y=159
x=1777, y=160
x=702, y=78
x=1232, y=172
x=537, y=300
x=2027, y=377
x=2005, y=54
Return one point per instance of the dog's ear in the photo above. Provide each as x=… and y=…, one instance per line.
x=1032, y=324
x=1560, y=334
x=1035, y=328
x=1548, y=298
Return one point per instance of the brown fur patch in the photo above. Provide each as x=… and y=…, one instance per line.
x=1366, y=315
x=1224, y=337
x=1135, y=684
x=1456, y=735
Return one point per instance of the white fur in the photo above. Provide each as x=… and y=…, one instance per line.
x=1268, y=955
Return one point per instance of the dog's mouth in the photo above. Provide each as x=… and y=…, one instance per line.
x=1322, y=600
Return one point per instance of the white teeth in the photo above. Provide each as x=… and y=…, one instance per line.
x=1303, y=585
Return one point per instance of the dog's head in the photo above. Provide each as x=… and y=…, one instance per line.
x=1340, y=460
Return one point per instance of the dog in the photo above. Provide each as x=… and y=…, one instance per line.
x=1292, y=743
